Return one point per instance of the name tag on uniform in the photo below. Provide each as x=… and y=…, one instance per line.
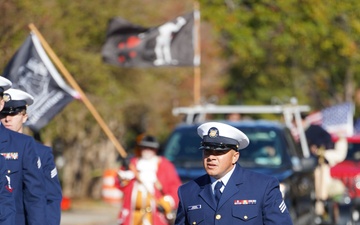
x=194, y=207
x=10, y=155
x=245, y=202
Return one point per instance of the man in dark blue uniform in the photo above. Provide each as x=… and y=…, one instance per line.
x=7, y=201
x=26, y=177
x=13, y=116
x=328, y=154
x=228, y=193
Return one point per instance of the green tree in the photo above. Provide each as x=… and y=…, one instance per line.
x=307, y=49
x=130, y=100
x=252, y=52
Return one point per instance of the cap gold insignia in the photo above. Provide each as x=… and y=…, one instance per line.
x=6, y=97
x=213, y=132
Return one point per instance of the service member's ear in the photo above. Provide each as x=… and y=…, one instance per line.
x=24, y=118
x=235, y=157
x=2, y=103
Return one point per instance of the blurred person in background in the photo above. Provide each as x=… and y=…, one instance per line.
x=13, y=116
x=328, y=154
x=149, y=184
x=233, y=117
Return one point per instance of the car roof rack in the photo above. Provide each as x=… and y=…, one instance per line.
x=197, y=114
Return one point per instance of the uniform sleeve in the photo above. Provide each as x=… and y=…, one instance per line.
x=180, y=214
x=7, y=206
x=53, y=188
x=274, y=208
x=33, y=185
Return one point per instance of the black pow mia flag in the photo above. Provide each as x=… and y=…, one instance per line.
x=31, y=70
x=170, y=44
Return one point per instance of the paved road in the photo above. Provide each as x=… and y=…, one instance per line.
x=90, y=213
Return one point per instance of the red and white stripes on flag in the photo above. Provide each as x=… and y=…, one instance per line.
x=337, y=119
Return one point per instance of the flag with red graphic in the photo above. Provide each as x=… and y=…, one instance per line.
x=170, y=44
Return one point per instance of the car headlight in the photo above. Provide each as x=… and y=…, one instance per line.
x=357, y=182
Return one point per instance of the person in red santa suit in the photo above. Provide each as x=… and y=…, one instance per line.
x=149, y=185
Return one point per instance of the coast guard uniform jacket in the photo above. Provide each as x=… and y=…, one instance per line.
x=7, y=201
x=27, y=179
x=52, y=184
x=249, y=198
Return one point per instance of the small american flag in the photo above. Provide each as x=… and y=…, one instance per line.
x=337, y=119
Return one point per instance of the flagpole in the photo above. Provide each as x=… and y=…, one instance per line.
x=197, y=51
x=74, y=84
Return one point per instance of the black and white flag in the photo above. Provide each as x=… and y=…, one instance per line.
x=170, y=44
x=32, y=71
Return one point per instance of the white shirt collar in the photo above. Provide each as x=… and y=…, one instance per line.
x=224, y=179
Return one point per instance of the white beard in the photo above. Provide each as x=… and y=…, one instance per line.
x=147, y=169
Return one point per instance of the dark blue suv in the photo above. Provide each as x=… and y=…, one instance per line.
x=272, y=151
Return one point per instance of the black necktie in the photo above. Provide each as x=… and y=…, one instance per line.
x=217, y=191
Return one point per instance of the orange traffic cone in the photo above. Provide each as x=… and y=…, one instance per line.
x=65, y=203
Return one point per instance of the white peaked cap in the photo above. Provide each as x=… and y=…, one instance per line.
x=5, y=84
x=221, y=134
x=18, y=95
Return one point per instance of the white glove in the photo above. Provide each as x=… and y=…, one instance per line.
x=338, y=154
x=126, y=175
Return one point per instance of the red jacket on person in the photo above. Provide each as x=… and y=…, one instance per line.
x=165, y=195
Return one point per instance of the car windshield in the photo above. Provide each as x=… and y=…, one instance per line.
x=265, y=149
x=183, y=146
